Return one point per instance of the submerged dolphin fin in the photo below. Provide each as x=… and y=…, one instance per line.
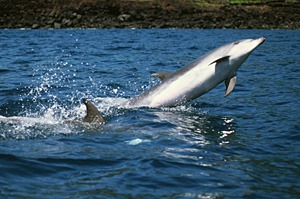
x=230, y=84
x=92, y=113
x=161, y=75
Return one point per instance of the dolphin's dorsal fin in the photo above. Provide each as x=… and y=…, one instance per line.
x=230, y=84
x=161, y=75
x=92, y=113
x=225, y=58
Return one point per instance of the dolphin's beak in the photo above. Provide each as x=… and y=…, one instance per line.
x=262, y=40
x=258, y=42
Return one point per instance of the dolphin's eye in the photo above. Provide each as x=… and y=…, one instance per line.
x=237, y=42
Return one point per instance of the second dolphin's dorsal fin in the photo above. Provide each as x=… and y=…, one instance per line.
x=92, y=113
x=230, y=84
x=161, y=75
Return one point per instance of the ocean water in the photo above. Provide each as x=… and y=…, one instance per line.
x=246, y=145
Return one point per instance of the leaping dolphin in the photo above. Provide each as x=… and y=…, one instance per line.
x=199, y=77
x=92, y=116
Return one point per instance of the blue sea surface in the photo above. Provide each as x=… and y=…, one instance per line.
x=246, y=145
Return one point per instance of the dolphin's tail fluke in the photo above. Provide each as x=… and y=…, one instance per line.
x=92, y=113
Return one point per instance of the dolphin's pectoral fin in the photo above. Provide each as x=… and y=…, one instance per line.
x=161, y=75
x=225, y=58
x=92, y=113
x=230, y=84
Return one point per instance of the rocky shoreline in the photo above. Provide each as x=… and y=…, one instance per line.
x=47, y=14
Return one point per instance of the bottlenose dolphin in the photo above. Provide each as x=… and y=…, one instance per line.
x=198, y=77
x=92, y=116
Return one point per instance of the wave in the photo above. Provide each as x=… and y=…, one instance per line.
x=4, y=71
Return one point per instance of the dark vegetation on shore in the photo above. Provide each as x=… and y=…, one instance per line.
x=47, y=14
